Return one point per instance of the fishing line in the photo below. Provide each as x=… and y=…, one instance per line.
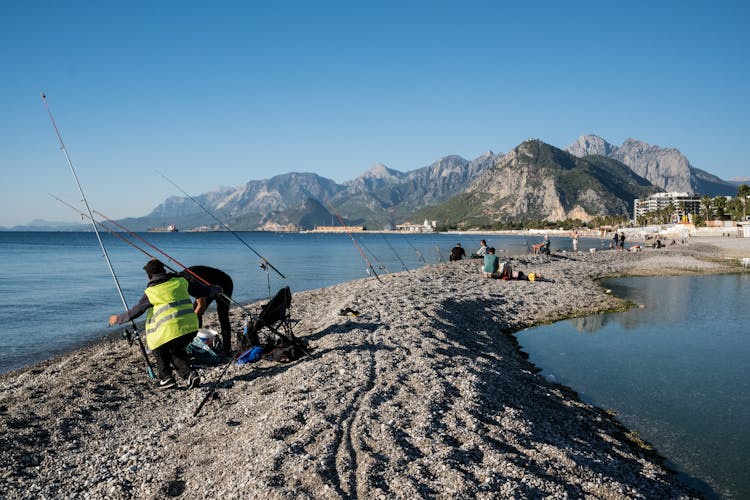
x=348, y=232
x=165, y=254
x=437, y=249
x=99, y=239
x=381, y=266
x=395, y=253
x=419, y=254
x=246, y=311
x=265, y=261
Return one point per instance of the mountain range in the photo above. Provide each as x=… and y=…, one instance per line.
x=534, y=181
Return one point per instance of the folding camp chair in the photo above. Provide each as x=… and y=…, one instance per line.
x=274, y=316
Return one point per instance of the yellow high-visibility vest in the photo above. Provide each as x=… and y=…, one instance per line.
x=172, y=313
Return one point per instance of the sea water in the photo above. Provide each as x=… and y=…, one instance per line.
x=58, y=291
x=675, y=369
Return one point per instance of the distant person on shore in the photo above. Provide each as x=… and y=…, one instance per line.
x=457, y=253
x=575, y=241
x=542, y=248
x=482, y=250
x=491, y=263
x=622, y=241
x=615, y=241
x=202, y=274
x=171, y=322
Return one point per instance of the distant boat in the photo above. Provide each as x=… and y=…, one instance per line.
x=169, y=229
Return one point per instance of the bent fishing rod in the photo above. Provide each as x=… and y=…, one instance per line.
x=265, y=261
x=169, y=257
x=183, y=266
x=129, y=242
x=126, y=334
x=370, y=269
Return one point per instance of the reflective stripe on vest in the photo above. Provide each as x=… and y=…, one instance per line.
x=172, y=314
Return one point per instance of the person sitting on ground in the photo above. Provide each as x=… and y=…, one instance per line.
x=491, y=263
x=171, y=323
x=541, y=248
x=218, y=277
x=504, y=272
x=482, y=250
x=457, y=253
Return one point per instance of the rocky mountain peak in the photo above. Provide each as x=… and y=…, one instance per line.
x=666, y=168
x=380, y=171
x=590, y=145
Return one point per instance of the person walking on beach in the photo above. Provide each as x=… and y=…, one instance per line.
x=171, y=322
x=222, y=279
x=575, y=241
x=491, y=263
x=622, y=241
x=457, y=253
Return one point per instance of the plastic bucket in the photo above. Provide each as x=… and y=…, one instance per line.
x=207, y=335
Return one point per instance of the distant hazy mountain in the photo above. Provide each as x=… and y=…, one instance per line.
x=666, y=168
x=46, y=225
x=536, y=181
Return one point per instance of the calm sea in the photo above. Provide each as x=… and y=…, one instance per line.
x=676, y=370
x=58, y=291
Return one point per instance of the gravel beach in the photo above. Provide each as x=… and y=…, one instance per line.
x=424, y=394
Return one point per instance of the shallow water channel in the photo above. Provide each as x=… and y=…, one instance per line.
x=675, y=369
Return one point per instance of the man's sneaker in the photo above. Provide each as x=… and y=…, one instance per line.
x=168, y=383
x=193, y=380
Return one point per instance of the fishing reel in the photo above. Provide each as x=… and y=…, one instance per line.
x=128, y=335
x=263, y=266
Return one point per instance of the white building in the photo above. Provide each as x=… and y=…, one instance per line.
x=683, y=203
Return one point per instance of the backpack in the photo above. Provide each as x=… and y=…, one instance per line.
x=283, y=350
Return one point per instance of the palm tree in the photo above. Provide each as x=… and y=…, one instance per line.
x=742, y=193
x=721, y=205
x=706, y=202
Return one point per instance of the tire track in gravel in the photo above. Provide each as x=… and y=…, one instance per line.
x=348, y=449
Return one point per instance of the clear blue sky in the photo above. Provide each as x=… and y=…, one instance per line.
x=220, y=93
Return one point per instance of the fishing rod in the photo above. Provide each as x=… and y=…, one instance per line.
x=129, y=242
x=381, y=266
x=165, y=254
x=419, y=254
x=265, y=261
x=437, y=249
x=183, y=266
x=226, y=297
x=394, y=253
x=348, y=232
x=127, y=334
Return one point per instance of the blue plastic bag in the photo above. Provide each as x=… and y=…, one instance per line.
x=251, y=355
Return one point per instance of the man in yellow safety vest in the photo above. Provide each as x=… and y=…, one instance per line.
x=171, y=322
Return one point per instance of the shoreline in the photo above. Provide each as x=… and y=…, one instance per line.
x=425, y=393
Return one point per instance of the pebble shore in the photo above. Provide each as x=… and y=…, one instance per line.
x=424, y=394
